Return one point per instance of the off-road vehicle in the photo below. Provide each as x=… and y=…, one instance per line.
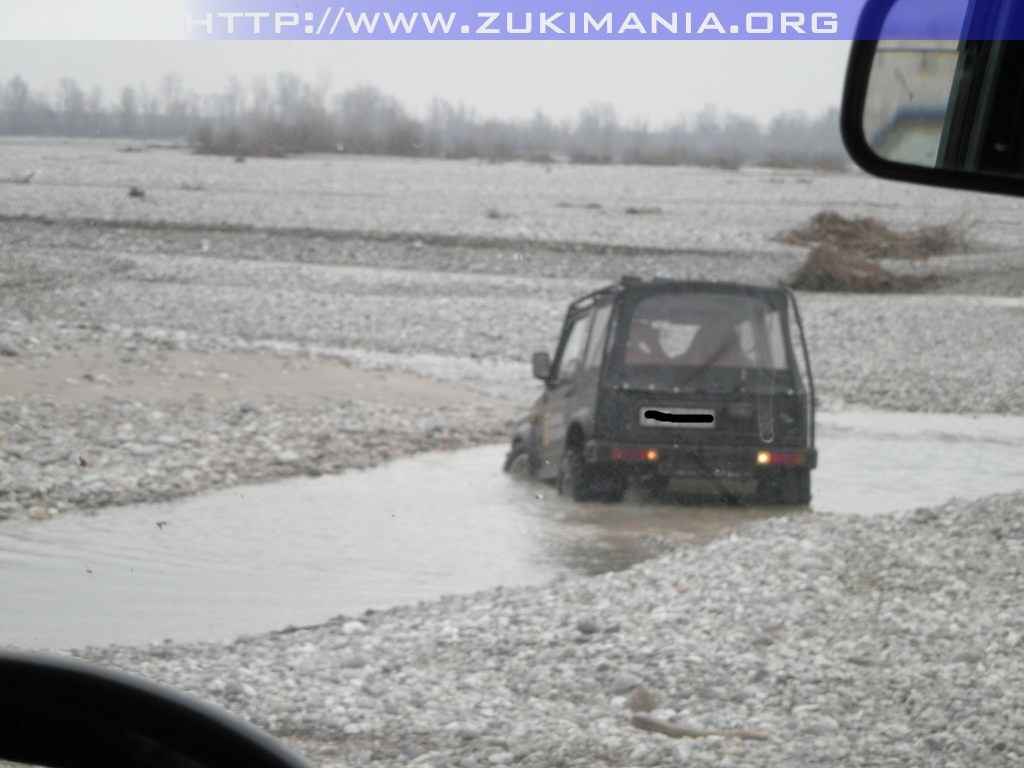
x=694, y=387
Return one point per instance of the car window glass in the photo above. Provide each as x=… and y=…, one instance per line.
x=572, y=351
x=598, y=337
x=761, y=340
x=696, y=329
x=674, y=338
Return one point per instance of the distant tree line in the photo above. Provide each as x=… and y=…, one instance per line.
x=286, y=115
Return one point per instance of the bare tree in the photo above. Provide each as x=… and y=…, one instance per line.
x=71, y=104
x=287, y=114
x=795, y=140
x=596, y=133
x=638, y=139
x=289, y=94
x=373, y=123
x=543, y=138
x=16, y=104
x=234, y=100
x=172, y=92
x=95, y=119
x=449, y=130
x=128, y=112
x=261, y=104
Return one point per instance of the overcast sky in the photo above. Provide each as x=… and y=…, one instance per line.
x=655, y=81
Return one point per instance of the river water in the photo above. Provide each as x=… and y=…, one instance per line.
x=257, y=558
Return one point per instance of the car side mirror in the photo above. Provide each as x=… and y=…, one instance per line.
x=541, y=365
x=60, y=712
x=935, y=92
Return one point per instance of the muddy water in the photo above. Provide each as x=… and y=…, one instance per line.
x=301, y=551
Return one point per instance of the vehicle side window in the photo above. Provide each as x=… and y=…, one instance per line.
x=571, y=357
x=598, y=338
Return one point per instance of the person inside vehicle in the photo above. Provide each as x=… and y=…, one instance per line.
x=716, y=345
x=644, y=345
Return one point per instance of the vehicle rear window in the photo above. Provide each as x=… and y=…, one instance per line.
x=705, y=330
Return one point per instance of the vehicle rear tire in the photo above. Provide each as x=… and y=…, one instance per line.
x=790, y=487
x=582, y=482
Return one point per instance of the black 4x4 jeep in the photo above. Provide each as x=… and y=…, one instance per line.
x=691, y=386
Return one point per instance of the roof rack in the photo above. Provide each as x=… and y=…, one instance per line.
x=629, y=281
x=585, y=301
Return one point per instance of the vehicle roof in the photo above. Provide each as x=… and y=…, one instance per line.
x=636, y=285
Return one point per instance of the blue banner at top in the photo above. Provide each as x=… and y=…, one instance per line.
x=577, y=20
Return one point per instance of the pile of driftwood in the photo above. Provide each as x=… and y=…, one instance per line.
x=845, y=253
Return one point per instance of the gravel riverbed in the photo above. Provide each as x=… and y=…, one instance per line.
x=111, y=335
x=145, y=361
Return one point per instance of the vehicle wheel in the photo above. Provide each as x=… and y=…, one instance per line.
x=791, y=487
x=583, y=483
x=519, y=463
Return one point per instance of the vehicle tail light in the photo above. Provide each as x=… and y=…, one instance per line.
x=634, y=454
x=777, y=459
